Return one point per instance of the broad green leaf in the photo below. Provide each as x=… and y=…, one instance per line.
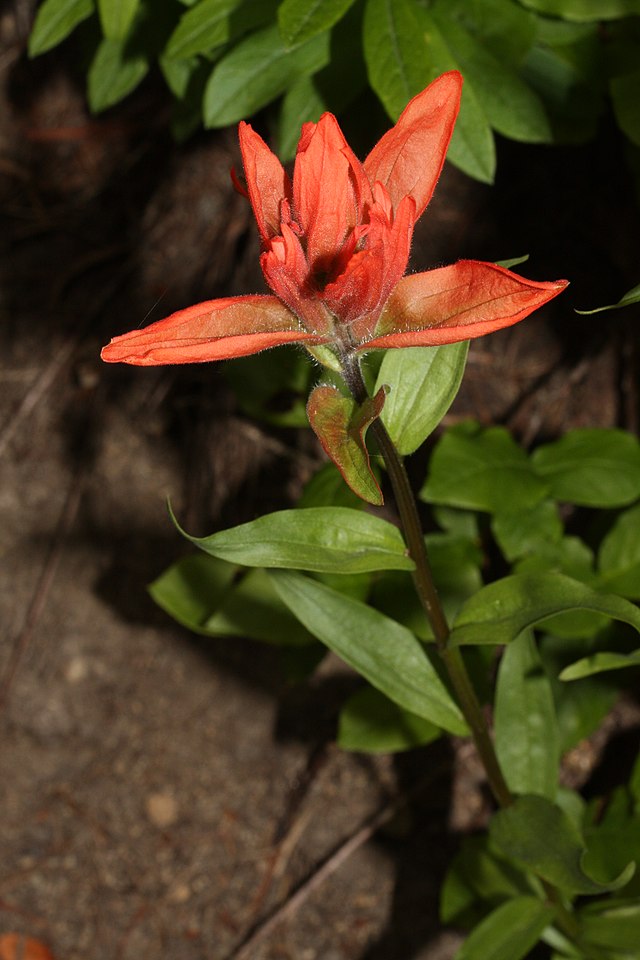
x=461, y=523
x=503, y=27
x=178, y=74
x=204, y=595
x=478, y=874
x=256, y=71
x=55, y=20
x=510, y=106
x=395, y=57
x=600, y=663
x=619, y=555
x=591, y=468
x=508, y=932
x=630, y=297
x=326, y=488
x=381, y=650
x=472, y=146
x=482, y=470
x=201, y=28
x=371, y=723
x=340, y=425
x=113, y=74
x=612, y=834
x=301, y=19
x=539, y=835
x=116, y=17
x=585, y=10
x=423, y=384
x=526, y=730
x=612, y=923
x=501, y=610
x=302, y=103
x=522, y=532
x=324, y=539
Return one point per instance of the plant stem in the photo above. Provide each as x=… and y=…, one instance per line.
x=427, y=593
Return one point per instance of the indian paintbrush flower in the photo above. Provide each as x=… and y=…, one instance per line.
x=336, y=244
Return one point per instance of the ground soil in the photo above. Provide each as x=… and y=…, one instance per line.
x=160, y=795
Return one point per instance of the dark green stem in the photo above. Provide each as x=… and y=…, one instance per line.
x=426, y=590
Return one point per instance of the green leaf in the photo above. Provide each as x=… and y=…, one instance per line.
x=381, y=650
x=509, y=104
x=423, y=384
x=619, y=555
x=478, y=874
x=504, y=27
x=526, y=730
x=302, y=103
x=583, y=11
x=502, y=610
x=612, y=833
x=513, y=262
x=116, y=17
x=395, y=58
x=509, y=932
x=324, y=539
x=55, y=20
x=600, y=663
x=113, y=74
x=299, y=20
x=472, y=146
x=539, y=835
x=256, y=72
x=592, y=468
x=630, y=297
x=326, y=488
x=201, y=28
x=482, y=470
x=371, y=723
x=612, y=923
x=523, y=532
x=203, y=594
x=340, y=425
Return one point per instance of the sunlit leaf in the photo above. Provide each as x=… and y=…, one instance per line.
x=55, y=20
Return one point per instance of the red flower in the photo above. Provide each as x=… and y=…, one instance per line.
x=336, y=243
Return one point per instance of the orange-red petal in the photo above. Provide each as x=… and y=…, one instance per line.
x=408, y=159
x=213, y=330
x=267, y=182
x=459, y=302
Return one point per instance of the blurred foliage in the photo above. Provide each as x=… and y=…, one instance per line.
x=536, y=71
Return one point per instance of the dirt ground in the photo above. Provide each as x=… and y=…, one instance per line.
x=162, y=795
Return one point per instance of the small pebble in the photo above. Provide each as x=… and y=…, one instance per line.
x=162, y=809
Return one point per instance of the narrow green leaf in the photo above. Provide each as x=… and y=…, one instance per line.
x=472, y=146
x=201, y=28
x=600, y=663
x=612, y=923
x=514, y=262
x=591, y=468
x=526, y=730
x=423, y=384
x=395, y=58
x=501, y=610
x=191, y=589
x=583, y=11
x=256, y=71
x=371, y=723
x=113, y=74
x=299, y=20
x=116, y=17
x=509, y=104
x=340, y=425
x=381, y=650
x=619, y=555
x=324, y=539
x=539, y=835
x=478, y=873
x=55, y=20
x=631, y=296
x=508, y=932
x=302, y=103
x=482, y=470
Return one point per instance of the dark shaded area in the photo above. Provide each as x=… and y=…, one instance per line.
x=108, y=706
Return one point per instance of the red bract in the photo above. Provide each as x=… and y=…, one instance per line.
x=336, y=243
